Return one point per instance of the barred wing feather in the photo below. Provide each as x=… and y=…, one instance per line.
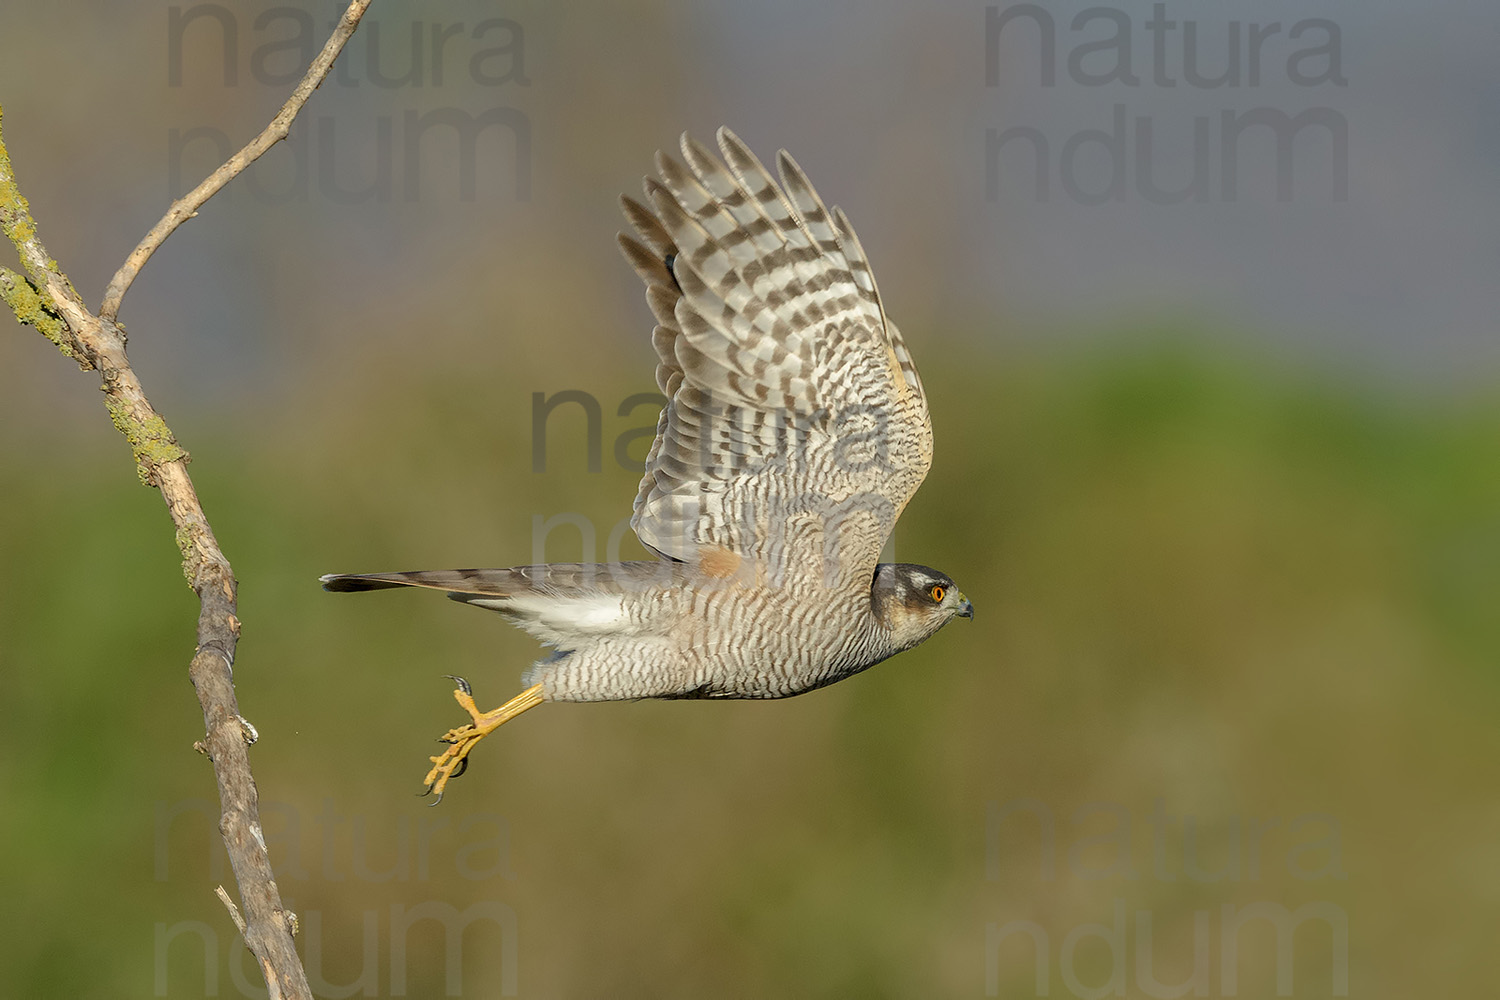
x=791, y=399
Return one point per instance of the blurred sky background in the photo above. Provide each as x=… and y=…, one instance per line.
x=1220, y=476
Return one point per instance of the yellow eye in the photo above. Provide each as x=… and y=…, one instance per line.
x=937, y=595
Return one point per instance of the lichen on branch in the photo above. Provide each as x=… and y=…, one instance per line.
x=151, y=440
x=34, y=307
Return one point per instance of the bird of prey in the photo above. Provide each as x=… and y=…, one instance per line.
x=795, y=432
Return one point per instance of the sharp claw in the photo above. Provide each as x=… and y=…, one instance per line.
x=435, y=801
x=454, y=762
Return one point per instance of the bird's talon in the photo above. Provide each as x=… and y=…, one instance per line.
x=463, y=685
x=454, y=761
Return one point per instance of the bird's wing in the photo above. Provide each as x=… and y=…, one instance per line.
x=795, y=418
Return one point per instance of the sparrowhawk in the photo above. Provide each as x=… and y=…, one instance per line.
x=795, y=432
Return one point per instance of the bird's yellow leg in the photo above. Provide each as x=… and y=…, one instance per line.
x=455, y=760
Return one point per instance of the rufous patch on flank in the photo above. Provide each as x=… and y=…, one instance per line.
x=718, y=562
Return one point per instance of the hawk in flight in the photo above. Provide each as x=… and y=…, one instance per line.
x=795, y=432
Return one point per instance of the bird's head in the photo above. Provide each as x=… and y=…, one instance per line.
x=915, y=601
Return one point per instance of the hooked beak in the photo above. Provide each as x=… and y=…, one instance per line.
x=965, y=609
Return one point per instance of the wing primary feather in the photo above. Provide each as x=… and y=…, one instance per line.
x=767, y=317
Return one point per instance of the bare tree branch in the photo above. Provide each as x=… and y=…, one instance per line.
x=187, y=206
x=46, y=299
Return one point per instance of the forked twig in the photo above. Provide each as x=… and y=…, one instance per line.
x=46, y=299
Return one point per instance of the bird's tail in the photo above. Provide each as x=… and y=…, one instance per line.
x=552, y=579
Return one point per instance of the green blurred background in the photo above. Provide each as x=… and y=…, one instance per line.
x=1224, y=492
